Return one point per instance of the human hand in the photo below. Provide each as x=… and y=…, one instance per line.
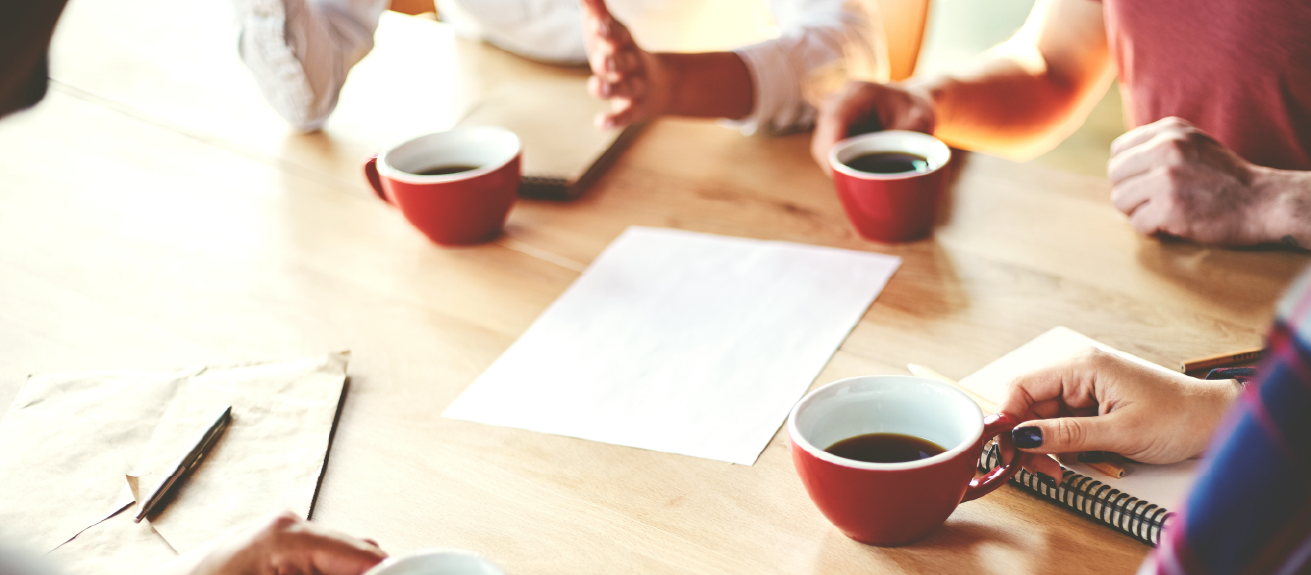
x=1173, y=179
x=286, y=545
x=1100, y=401
x=866, y=107
x=633, y=79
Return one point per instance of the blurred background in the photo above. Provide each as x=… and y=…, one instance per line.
x=959, y=29
x=949, y=35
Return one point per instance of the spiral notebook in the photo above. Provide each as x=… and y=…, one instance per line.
x=1137, y=504
x=563, y=150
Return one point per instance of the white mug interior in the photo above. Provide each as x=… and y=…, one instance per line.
x=437, y=562
x=487, y=147
x=886, y=404
x=919, y=143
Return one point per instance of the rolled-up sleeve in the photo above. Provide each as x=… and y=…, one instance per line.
x=813, y=35
x=300, y=51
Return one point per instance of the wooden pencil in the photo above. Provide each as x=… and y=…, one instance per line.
x=1222, y=359
x=1105, y=463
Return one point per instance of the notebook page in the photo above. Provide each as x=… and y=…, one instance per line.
x=1164, y=485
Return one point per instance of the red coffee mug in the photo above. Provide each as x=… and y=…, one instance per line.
x=890, y=504
x=890, y=207
x=459, y=208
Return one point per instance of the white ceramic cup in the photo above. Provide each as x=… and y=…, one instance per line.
x=437, y=562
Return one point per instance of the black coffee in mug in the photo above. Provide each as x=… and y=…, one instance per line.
x=885, y=448
x=445, y=170
x=889, y=163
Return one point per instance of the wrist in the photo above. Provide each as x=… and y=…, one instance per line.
x=1212, y=400
x=1285, y=212
x=934, y=91
x=699, y=85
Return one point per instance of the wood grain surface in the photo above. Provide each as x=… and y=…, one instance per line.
x=154, y=214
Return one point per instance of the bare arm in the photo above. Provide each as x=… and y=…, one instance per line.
x=1030, y=92
x=1016, y=100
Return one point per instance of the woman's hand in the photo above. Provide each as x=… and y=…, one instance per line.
x=285, y=545
x=1100, y=401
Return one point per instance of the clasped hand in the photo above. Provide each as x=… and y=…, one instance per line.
x=1173, y=179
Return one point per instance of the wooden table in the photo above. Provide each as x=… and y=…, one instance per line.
x=154, y=213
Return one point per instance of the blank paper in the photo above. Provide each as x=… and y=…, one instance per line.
x=680, y=342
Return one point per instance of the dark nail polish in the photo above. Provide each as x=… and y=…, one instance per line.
x=1027, y=437
x=1048, y=480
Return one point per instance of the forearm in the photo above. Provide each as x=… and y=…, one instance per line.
x=1023, y=96
x=1007, y=108
x=707, y=85
x=1287, y=215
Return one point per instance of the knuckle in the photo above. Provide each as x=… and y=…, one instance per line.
x=279, y=524
x=1174, y=150
x=1069, y=433
x=1092, y=357
x=1175, y=178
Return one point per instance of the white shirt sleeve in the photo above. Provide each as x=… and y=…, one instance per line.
x=544, y=30
x=301, y=50
x=813, y=34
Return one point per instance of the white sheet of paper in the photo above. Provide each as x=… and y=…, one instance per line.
x=680, y=342
x=1164, y=485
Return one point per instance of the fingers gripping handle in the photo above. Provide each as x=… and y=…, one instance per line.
x=996, y=425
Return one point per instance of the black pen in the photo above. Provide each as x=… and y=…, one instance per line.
x=186, y=463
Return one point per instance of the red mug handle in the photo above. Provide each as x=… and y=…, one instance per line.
x=375, y=179
x=997, y=424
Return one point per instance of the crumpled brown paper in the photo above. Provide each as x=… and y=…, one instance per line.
x=70, y=442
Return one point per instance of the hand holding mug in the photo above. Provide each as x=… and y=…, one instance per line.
x=894, y=502
x=862, y=107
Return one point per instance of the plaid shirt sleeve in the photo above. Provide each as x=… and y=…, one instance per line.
x=1250, y=509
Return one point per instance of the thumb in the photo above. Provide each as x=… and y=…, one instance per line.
x=1068, y=434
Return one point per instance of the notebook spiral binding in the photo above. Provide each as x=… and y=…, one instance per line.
x=1139, y=519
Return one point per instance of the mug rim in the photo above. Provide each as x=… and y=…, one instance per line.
x=795, y=435
x=385, y=169
x=839, y=167
x=423, y=554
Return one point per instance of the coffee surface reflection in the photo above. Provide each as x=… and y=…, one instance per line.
x=885, y=448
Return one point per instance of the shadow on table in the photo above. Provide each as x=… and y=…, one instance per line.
x=947, y=196
x=966, y=547
x=1246, y=280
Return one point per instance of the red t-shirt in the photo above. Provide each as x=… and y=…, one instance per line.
x=1238, y=69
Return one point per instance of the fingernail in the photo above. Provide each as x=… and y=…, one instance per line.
x=1048, y=480
x=1027, y=437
